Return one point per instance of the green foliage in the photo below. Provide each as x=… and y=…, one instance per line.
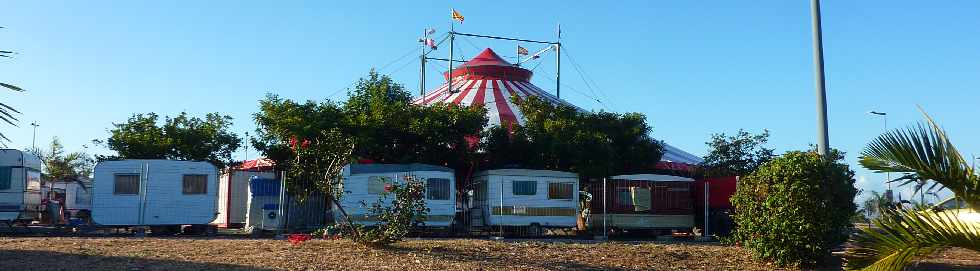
x=64, y=167
x=922, y=153
x=736, y=155
x=380, y=120
x=396, y=217
x=901, y=236
x=795, y=208
x=7, y=112
x=561, y=137
x=180, y=138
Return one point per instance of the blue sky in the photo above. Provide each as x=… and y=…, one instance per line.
x=693, y=67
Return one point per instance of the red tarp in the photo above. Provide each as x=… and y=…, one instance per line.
x=720, y=191
x=257, y=165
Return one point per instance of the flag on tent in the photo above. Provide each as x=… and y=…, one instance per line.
x=521, y=50
x=431, y=43
x=457, y=16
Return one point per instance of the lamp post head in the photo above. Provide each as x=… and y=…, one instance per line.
x=877, y=113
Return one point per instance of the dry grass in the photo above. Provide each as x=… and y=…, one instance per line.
x=101, y=253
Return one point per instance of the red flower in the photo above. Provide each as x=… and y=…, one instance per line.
x=292, y=142
x=306, y=143
x=298, y=238
x=388, y=187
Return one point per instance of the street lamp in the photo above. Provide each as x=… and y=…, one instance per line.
x=888, y=177
x=34, y=137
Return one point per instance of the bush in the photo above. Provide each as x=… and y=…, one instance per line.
x=795, y=208
x=395, y=218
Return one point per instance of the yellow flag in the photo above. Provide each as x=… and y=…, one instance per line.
x=457, y=16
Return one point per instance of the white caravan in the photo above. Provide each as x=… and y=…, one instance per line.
x=154, y=192
x=525, y=198
x=363, y=185
x=20, y=186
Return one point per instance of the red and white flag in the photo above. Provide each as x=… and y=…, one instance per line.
x=521, y=50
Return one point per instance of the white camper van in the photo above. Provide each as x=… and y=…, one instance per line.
x=154, y=193
x=20, y=186
x=525, y=198
x=363, y=185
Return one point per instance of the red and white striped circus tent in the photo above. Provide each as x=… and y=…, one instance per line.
x=490, y=81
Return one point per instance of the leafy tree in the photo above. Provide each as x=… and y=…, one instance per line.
x=312, y=141
x=795, y=208
x=561, y=137
x=923, y=152
x=180, y=138
x=736, y=155
x=60, y=166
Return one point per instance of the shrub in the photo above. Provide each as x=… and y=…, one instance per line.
x=795, y=208
x=395, y=218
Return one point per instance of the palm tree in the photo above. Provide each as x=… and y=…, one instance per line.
x=921, y=153
x=6, y=112
x=65, y=167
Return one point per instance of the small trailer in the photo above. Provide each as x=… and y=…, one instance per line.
x=363, y=185
x=165, y=194
x=233, y=191
x=524, y=199
x=642, y=202
x=75, y=197
x=20, y=187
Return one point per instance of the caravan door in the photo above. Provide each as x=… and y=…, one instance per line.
x=118, y=193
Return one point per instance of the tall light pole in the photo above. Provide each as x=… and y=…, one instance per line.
x=823, y=141
x=34, y=137
x=888, y=176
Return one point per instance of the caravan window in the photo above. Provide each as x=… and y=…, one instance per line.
x=195, y=184
x=525, y=188
x=82, y=196
x=560, y=190
x=126, y=184
x=5, y=178
x=376, y=185
x=437, y=189
x=624, y=197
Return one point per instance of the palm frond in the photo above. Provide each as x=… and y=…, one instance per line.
x=923, y=152
x=904, y=236
x=11, y=87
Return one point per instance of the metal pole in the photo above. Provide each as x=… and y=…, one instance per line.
x=706, y=215
x=823, y=141
x=246, y=148
x=425, y=39
x=452, y=40
x=500, y=223
x=34, y=137
x=558, y=65
x=605, y=214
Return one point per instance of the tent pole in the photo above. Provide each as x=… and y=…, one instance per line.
x=558, y=64
x=452, y=40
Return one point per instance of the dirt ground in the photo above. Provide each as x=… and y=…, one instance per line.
x=104, y=253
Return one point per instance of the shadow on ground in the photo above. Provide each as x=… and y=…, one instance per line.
x=45, y=260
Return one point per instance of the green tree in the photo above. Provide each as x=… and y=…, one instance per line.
x=737, y=155
x=920, y=153
x=561, y=137
x=180, y=138
x=60, y=166
x=795, y=208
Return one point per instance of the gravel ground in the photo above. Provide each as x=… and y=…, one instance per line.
x=102, y=253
